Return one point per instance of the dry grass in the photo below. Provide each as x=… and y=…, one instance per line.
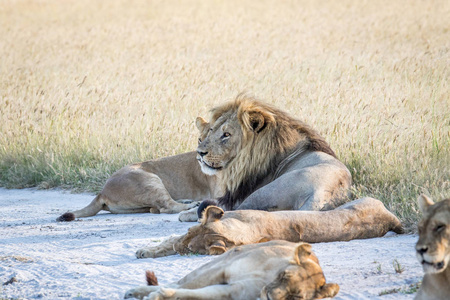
x=89, y=86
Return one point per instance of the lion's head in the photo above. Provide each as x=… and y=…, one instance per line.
x=246, y=140
x=205, y=238
x=433, y=247
x=302, y=279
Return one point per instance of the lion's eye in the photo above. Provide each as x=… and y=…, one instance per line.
x=226, y=134
x=439, y=228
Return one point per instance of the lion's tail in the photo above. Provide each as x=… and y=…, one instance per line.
x=398, y=228
x=151, y=278
x=395, y=225
x=91, y=210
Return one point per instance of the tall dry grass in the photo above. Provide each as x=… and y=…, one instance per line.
x=89, y=86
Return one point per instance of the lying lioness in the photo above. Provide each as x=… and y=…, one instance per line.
x=275, y=270
x=433, y=248
x=220, y=231
x=166, y=185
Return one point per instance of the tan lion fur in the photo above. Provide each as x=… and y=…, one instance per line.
x=433, y=249
x=220, y=231
x=258, y=150
x=165, y=185
x=276, y=270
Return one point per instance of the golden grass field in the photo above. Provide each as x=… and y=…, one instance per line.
x=87, y=87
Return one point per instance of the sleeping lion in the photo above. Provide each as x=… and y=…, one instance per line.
x=220, y=231
x=276, y=270
x=433, y=249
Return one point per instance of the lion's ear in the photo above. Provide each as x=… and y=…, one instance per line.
x=217, y=248
x=329, y=290
x=200, y=123
x=424, y=202
x=256, y=120
x=212, y=214
x=302, y=252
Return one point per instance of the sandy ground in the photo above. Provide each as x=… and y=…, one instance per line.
x=93, y=258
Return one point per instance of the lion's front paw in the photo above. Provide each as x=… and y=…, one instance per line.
x=140, y=292
x=178, y=207
x=194, y=204
x=162, y=294
x=130, y=294
x=188, y=215
x=147, y=253
x=154, y=252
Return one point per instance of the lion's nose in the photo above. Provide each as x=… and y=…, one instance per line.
x=201, y=153
x=422, y=249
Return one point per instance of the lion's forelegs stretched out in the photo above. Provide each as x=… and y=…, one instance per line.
x=163, y=249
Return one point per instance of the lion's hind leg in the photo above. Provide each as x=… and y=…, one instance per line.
x=235, y=291
x=161, y=201
x=133, y=190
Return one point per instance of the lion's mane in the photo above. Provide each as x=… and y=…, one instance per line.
x=269, y=135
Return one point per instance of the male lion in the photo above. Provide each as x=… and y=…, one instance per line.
x=268, y=160
x=276, y=270
x=263, y=159
x=220, y=231
x=433, y=248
